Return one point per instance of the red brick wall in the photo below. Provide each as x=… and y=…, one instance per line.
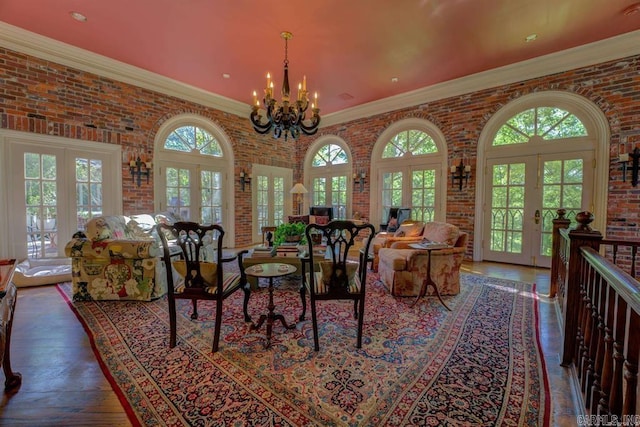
x=43, y=97
x=46, y=98
x=613, y=86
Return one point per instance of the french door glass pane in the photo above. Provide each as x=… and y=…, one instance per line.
x=319, y=186
x=339, y=196
x=211, y=195
x=40, y=183
x=507, y=207
x=89, y=191
x=178, y=192
x=391, y=192
x=423, y=195
x=562, y=188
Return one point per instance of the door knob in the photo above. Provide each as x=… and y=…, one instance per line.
x=536, y=217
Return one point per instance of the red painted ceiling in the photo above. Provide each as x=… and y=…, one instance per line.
x=349, y=50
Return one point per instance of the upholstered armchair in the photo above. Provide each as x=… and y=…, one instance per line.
x=408, y=231
x=403, y=269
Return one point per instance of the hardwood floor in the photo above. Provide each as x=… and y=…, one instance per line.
x=64, y=385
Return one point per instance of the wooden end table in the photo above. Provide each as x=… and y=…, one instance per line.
x=270, y=270
x=429, y=247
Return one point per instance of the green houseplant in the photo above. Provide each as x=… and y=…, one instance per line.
x=289, y=233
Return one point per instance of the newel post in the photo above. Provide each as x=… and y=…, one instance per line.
x=556, y=260
x=581, y=236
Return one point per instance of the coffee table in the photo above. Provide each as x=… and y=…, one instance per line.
x=270, y=270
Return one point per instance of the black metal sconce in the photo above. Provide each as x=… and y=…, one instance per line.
x=460, y=173
x=244, y=179
x=635, y=165
x=139, y=168
x=360, y=178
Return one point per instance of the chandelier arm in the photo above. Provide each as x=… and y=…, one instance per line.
x=313, y=127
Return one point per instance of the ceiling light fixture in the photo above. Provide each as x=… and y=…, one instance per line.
x=285, y=118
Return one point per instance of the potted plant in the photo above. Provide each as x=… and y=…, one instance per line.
x=293, y=232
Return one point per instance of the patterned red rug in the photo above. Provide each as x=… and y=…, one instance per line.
x=479, y=364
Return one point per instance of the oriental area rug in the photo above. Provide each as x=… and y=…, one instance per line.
x=479, y=364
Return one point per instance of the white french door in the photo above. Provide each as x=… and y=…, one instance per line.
x=415, y=187
x=55, y=188
x=194, y=192
x=271, y=197
x=522, y=197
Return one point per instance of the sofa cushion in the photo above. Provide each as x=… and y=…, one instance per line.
x=409, y=229
x=441, y=232
x=107, y=227
x=136, y=232
x=144, y=221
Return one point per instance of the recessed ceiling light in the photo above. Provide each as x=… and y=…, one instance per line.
x=394, y=80
x=78, y=16
x=226, y=75
x=530, y=38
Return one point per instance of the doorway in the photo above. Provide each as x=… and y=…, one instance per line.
x=540, y=153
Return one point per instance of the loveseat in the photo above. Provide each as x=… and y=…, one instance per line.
x=118, y=258
x=403, y=269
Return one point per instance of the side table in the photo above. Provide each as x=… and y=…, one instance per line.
x=8, y=296
x=270, y=270
x=429, y=247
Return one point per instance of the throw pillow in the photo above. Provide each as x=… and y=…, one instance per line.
x=298, y=218
x=207, y=270
x=392, y=225
x=326, y=267
x=322, y=220
x=136, y=232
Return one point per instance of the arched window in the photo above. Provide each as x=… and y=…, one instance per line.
x=410, y=162
x=328, y=175
x=193, y=159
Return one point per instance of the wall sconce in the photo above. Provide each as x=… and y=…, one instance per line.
x=139, y=166
x=460, y=173
x=360, y=178
x=244, y=179
x=635, y=165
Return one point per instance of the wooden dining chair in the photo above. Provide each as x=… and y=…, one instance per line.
x=200, y=278
x=337, y=277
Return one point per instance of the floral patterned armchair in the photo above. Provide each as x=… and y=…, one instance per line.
x=403, y=270
x=117, y=258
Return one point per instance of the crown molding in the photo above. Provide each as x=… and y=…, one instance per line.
x=23, y=41
x=622, y=46
x=20, y=40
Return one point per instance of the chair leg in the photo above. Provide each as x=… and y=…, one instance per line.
x=314, y=322
x=172, y=322
x=303, y=298
x=194, y=315
x=216, y=331
x=360, y=317
x=355, y=309
x=245, y=304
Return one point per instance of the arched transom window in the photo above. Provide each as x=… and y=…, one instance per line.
x=546, y=123
x=330, y=154
x=193, y=139
x=413, y=142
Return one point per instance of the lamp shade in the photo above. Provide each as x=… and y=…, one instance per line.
x=298, y=189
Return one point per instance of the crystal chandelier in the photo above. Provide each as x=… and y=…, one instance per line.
x=285, y=118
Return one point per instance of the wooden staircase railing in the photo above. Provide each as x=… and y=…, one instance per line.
x=600, y=305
